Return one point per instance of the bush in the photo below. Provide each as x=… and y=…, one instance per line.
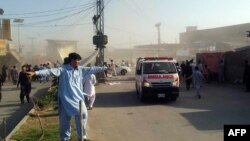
x=49, y=99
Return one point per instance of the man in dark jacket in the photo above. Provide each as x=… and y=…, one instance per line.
x=25, y=83
x=4, y=73
x=246, y=77
x=1, y=82
x=188, y=75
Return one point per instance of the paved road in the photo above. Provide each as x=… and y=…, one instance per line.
x=10, y=107
x=119, y=115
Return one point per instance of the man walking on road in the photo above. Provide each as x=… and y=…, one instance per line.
x=70, y=93
x=25, y=83
x=197, y=79
x=188, y=75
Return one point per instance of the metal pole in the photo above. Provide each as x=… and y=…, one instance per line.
x=19, y=37
x=1, y=29
x=100, y=31
x=159, y=35
x=80, y=118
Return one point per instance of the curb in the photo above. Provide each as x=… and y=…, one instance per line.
x=20, y=124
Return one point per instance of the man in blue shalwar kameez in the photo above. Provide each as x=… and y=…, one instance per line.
x=71, y=78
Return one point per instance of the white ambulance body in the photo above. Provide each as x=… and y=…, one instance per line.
x=157, y=77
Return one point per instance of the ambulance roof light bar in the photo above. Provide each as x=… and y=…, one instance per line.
x=158, y=58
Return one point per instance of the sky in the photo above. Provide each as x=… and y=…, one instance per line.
x=127, y=22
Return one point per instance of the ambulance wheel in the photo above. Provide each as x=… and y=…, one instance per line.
x=123, y=72
x=137, y=91
x=142, y=96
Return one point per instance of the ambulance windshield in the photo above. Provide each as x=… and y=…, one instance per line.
x=159, y=68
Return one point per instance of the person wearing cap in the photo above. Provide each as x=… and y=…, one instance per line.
x=70, y=92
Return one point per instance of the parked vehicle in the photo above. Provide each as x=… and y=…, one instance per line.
x=123, y=70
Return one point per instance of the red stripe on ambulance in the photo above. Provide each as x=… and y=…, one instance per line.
x=160, y=76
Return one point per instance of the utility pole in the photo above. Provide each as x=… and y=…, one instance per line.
x=1, y=28
x=19, y=21
x=32, y=42
x=158, y=30
x=159, y=37
x=100, y=40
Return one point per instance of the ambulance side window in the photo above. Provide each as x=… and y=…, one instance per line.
x=139, y=69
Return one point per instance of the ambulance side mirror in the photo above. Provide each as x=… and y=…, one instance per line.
x=138, y=72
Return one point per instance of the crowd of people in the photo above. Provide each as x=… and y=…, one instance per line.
x=195, y=73
x=12, y=74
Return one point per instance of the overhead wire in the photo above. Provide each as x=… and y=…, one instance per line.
x=105, y=5
x=73, y=24
x=68, y=26
x=47, y=15
x=59, y=18
x=122, y=30
x=64, y=7
x=55, y=25
x=84, y=15
x=49, y=11
x=83, y=12
x=65, y=3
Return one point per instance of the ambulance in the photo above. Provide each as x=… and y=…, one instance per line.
x=157, y=77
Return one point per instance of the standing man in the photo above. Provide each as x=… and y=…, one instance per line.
x=221, y=71
x=200, y=66
x=70, y=92
x=188, y=75
x=89, y=89
x=112, y=66
x=1, y=82
x=14, y=75
x=123, y=63
x=4, y=73
x=246, y=77
x=183, y=69
x=197, y=79
x=25, y=83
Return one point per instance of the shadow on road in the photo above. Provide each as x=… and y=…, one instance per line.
x=17, y=116
x=125, y=99
x=10, y=105
x=14, y=88
x=117, y=99
x=218, y=106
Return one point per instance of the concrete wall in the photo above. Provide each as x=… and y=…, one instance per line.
x=234, y=63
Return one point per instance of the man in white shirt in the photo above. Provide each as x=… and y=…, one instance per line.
x=89, y=89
